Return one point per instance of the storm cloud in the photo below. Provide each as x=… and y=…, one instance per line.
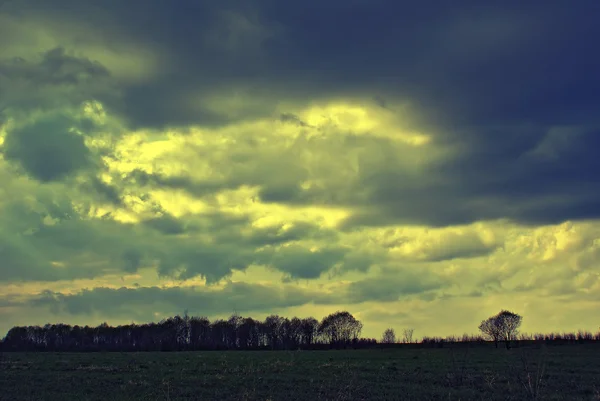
x=272, y=156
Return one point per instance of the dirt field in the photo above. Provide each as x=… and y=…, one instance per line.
x=569, y=372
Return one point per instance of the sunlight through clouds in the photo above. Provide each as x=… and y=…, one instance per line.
x=272, y=160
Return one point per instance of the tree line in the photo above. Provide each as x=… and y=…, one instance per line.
x=183, y=333
x=180, y=333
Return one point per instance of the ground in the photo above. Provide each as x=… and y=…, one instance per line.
x=569, y=372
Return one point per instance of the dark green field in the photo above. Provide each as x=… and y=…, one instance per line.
x=569, y=373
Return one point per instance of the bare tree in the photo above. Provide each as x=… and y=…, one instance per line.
x=407, y=335
x=501, y=327
x=340, y=328
x=389, y=336
x=490, y=329
x=510, y=323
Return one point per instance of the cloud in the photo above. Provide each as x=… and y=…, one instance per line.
x=55, y=68
x=490, y=175
x=531, y=263
x=392, y=285
x=63, y=236
x=443, y=244
x=358, y=153
x=166, y=225
x=384, y=194
x=102, y=192
x=312, y=51
x=47, y=149
x=302, y=263
x=54, y=79
x=145, y=303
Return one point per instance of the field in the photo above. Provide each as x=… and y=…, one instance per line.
x=570, y=372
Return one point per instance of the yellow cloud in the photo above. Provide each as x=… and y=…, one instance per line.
x=362, y=119
x=492, y=252
x=548, y=243
x=343, y=116
x=178, y=203
x=424, y=243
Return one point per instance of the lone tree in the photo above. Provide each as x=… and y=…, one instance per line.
x=501, y=327
x=340, y=328
x=389, y=336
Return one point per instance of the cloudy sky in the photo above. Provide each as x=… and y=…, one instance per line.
x=419, y=164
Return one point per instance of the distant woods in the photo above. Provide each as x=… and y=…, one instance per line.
x=183, y=333
x=179, y=333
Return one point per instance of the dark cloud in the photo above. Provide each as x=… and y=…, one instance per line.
x=528, y=175
x=21, y=263
x=132, y=259
x=490, y=80
x=51, y=239
x=293, y=119
x=506, y=93
x=55, y=68
x=534, y=178
x=24, y=258
x=394, y=284
x=48, y=149
x=284, y=193
x=166, y=224
x=278, y=234
x=211, y=261
x=196, y=188
x=467, y=251
x=142, y=303
x=54, y=80
x=465, y=63
x=103, y=192
x=361, y=260
x=302, y=263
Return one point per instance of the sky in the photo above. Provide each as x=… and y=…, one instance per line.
x=419, y=164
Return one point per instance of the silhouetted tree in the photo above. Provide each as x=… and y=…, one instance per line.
x=234, y=323
x=184, y=331
x=491, y=329
x=407, y=335
x=389, y=336
x=340, y=328
x=249, y=333
x=200, y=335
x=309, y=329
x=501, y=327
x=220, y=334
x=274, y=331
x=295, y=334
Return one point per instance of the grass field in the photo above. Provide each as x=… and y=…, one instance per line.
x=548, y=373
